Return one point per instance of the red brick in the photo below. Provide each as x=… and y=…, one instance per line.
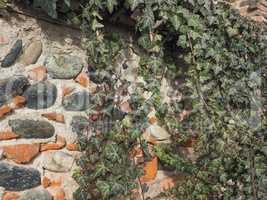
x=54, y=116
x=60, y=143
x=21, y=153
x=8, y=135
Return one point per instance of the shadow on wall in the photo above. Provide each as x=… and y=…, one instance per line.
x=54, y=30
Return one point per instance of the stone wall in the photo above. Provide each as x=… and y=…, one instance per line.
x=44, y=92
x=42, y=87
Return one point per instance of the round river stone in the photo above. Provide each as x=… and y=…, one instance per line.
x=36, y=194
x=41, y=95
x=77, y=101
x=32, y=128
x=31, y=53
x=63, y=67
x=15, y=178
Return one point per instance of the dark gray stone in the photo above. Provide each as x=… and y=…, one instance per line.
x=14, y=178
x=41, y=95
x=77, y=101
x=36, y=194
x=32, y=128
x=63, y=67
x=11, y=87
x=12, y=55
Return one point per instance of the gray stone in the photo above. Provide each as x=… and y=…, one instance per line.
x=31, y=53
x=41, y=95
x=58, y=161
x=15, y=178
x=63, y=67
x=77, y=101
x=12, y=55
x=11, y=87
x=32, y=128
x=36, y=194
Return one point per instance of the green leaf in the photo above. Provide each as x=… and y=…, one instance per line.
x=3, y=3
x=182, y=41
x=232, y=31
x=104, y=188
x=101, y=170
x=176, y=22
x=134, y=3
x=111, y=4
x=147, y=22
x=194, y=22
x=67, y=2
x=112, y=152
x=96, y=25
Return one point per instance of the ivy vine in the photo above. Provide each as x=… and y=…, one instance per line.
x=214, y=59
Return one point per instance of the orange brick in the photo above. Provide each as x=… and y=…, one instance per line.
x=71, y=147
x=82, y=79
x=17, y=102
x=54, y=116
x=4, y=110
x=8, y=135
x=55, y=183
x=21, y=153
x=150, y=169
x=46, y=182
x=59, y=195
x=10, y=196
x=60, y=143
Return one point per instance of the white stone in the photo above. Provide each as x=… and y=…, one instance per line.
x=57, y=161
x=159, y=133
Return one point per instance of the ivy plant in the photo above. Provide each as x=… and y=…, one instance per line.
x=214, y=59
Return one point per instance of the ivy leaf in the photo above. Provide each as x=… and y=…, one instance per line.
x=232, y=31
x=101, y=170
x=112, y=152
x=134, y=3
x=176, y=22
x=104, y=188
x=67, y=2
x=194, y=22
x=182, y=41
x=147, y=21
x=111, y=4
x=195, y=35
x=116, y=187
x=96, y=25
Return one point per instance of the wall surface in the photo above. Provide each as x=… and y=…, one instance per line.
x=37, y=144
x=43, y=89
x=42, y=93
